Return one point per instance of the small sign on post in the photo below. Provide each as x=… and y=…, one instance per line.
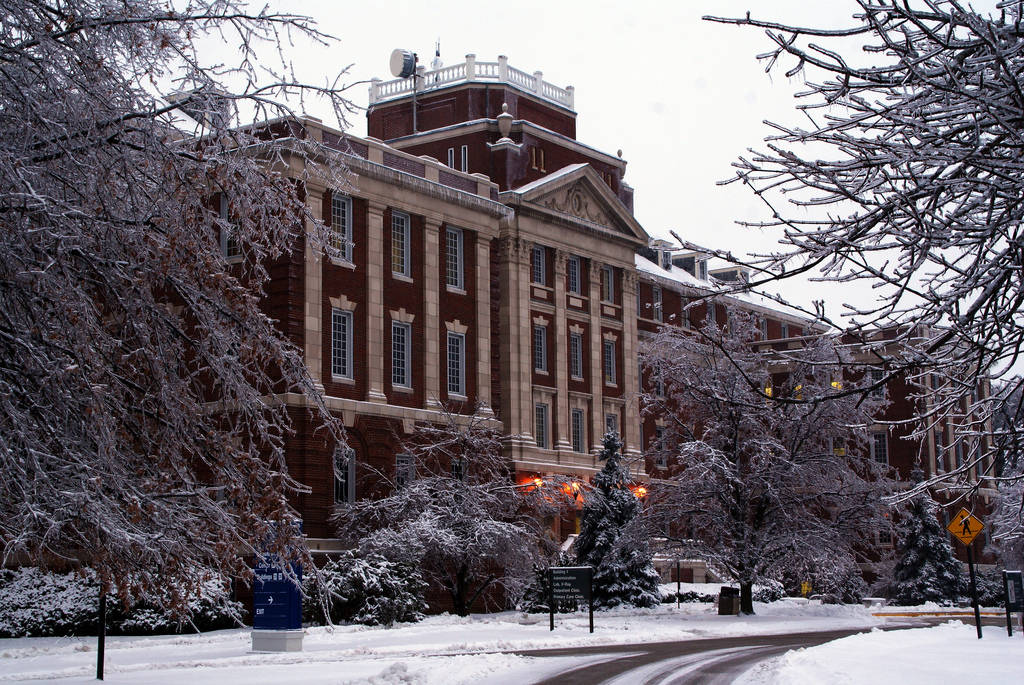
x=1013, y=586
x=965, y=527
x=571, y=583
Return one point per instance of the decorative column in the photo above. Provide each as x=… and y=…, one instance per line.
x=313, y=334
x=510, y=275
x=375, y=302
x=483, y=323
x=631, y=428
x=596, y=363
x=560, y=412
x=431, y=299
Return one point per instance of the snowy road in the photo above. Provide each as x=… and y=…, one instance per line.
x=671, y=663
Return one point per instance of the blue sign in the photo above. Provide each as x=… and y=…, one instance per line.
x=276, y=600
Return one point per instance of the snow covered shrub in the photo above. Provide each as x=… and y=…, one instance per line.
x=768, y=591
x=364, y=589
x=611, y=539
x=37, y=603
x=925, y=570
x=689, y=597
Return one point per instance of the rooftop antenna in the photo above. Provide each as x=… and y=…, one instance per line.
x=436, y=63
x=403, y=65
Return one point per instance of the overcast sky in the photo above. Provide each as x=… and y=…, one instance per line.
x=681, y=97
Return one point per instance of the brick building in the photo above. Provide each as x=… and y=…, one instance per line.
x=486, y=256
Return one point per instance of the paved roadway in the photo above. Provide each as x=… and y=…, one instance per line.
x=713, y=661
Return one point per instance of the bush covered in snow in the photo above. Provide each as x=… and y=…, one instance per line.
x=364, y=589
x=37, y=603
x=925, y=570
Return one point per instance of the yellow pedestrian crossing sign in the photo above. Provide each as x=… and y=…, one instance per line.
x=965, y=526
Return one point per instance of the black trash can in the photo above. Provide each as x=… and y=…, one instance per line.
x=728, y=601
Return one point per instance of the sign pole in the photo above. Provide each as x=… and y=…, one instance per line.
x=101, y=638
x=551, y=596
x=974, y=590
x=1009, y=619
x=679, y=585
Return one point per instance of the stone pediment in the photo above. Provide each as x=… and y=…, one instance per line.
x=577, y=194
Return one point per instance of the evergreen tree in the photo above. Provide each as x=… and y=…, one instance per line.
x=926, y=570
x=610, y=540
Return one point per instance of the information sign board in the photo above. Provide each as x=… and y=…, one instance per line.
x=570, y=583
x=1014, y=590
x=276, y=600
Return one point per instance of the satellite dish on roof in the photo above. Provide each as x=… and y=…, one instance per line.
x=403, y=63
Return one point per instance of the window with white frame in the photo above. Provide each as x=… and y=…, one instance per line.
x=608, y=284
x=880, y=447
x=538, y=264
x=454, y=257
x=451, y=157
x=405, y=470
x=400, y=256
x=540, y=348
x=609, y=362
x=659, y=383
x=465, y=158
x=576, y=355
x=341, y=343
x=666, y=259
x=229, y=245
x=572, y=267
x=784, y=330
x=578, y=430
x=712, y=312
x=341, y=226
x=540, y=424
x=656, y=303
x=876, y=377
x=401, y=344
x=611, y=423
x=456, y=364
x=344, y=474
x=763, y=324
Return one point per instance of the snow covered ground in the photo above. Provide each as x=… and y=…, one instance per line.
x=950, y=653
x=442, y=649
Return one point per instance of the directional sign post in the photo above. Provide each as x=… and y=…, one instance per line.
x=965, y=527
x=571, y=583
x=1013, y=586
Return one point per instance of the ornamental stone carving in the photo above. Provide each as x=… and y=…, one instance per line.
x=578, y=201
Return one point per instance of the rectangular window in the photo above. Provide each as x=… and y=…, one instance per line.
x=656, y=303
x=453, y=258
x=341, y=226
x=659, y=384
x=405, y=470
x=573, y=269
x=341, y=343
x=659, y=444
x=465, y=158
x=712, y=313
x=401, y=334
x=229, y=246
x=763, y=324
x=540, y=348
x=400, y=244
x=609, y=362
x=456, y=364
x=611, y=423
x=784, y=330
x=880, y=447
x=608, y=284
x=540, y=427
x=876, y=377
x=344, y=474
x=451, y=157
x=577, y=431
x=576, y=355
x=538, y=264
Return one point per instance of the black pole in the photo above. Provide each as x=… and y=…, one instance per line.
x=101, y=638
x=678, y=584
x=1006, y=597
x=551, y=596
x=974, y=591
x=590, y=597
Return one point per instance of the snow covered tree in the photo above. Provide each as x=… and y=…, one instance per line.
x=766, y=474
x=456, y=514
x=925, y=570
x=135, y=432
x=905, y=175
x=612, y=538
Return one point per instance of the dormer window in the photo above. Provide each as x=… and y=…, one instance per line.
x=666, y=259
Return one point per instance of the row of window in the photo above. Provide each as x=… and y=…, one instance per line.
x=345, y=473
x=401, y=244
x=574, y=274
x=540, y=355
x=577, y=427
x=401, y=353
x=463, y=158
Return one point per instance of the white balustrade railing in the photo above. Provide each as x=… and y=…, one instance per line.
x=472, y=70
